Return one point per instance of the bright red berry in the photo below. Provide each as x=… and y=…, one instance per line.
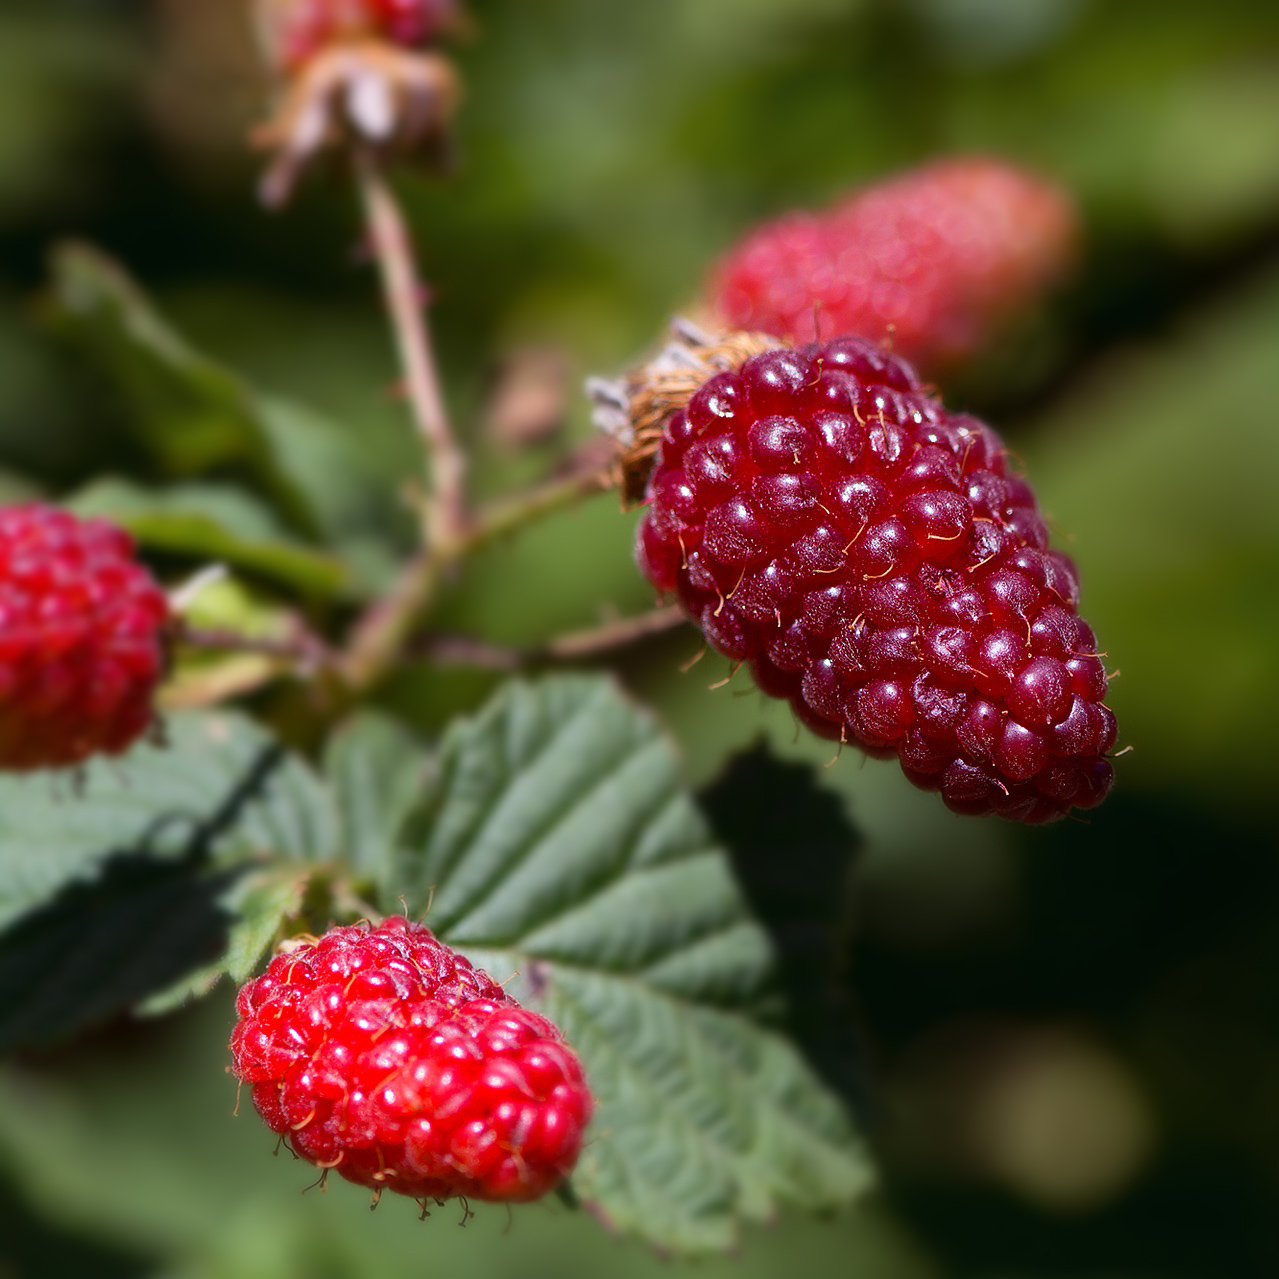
x=383, y=1054
x=822, y=517
x=82, y=648
x=937, y=260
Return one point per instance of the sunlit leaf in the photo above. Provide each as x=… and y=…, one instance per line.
x=554, y=842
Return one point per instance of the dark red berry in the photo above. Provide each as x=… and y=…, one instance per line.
x=870, y=555
x=382, y=1054
x=81, y=639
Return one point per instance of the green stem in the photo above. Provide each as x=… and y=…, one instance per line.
x=379, y=636
x=382, y=634
x=508, y=514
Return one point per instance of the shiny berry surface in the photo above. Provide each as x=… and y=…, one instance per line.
x=870, y=555
x=81, y=639
x=935, y=260
x=382, y=1054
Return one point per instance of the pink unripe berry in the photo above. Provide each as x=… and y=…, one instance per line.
x=935, y=261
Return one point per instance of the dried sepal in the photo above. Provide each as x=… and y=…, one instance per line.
x=366, y=95
x=635, y=408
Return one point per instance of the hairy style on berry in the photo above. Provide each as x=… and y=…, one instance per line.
x=935, y=260
x=872, y=557
x=384, y=1055
x=82, y=639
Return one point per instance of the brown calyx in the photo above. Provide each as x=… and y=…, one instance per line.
x=635, y=409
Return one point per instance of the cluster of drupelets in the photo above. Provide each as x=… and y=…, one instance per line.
x=82, y=627
x=821, y=517
x=382, y=1053
x=814, y=509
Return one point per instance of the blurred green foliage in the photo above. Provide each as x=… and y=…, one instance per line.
x=1013, y=985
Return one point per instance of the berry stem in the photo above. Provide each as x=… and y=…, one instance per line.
x=253, y=661
x=303, y=648
x=572, y=646
x=382, y=634
x=587, y=476
x=403, y=293
x=580, y=645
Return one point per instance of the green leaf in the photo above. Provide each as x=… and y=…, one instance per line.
x=193, y=413
x=554, y=841
x=792, y=850
x=97, y=950
x=373, y=769
x=213, y=522
x=125, y=880
x=259, y=903
x=376, y=768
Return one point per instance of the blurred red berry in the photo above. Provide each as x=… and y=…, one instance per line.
x=82, y=649
x=933, y=262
